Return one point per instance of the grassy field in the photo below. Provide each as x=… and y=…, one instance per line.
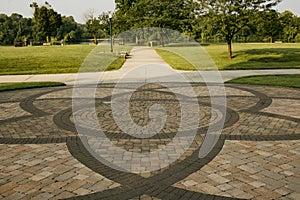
x=18, y=86
x=246, y=56
x=58, y=59
x=90, y=58
x=270, y=80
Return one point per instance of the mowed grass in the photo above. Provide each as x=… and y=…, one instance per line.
x=292, y=80
x=246, y=56
x=175, y=60
x=91, y=58
x=18, y=86
x=58, y=59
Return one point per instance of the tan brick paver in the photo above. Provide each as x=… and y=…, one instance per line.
x=250, y=179
x=67, y=178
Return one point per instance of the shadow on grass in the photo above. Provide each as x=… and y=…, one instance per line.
x=271, y=58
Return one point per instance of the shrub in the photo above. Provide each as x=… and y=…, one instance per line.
x=37, y=43
x=18, y=44
x=56, y=43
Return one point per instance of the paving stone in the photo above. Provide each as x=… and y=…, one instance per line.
x=217, y=178
x=42, y=183
x=42, y=196
x=294, y=196
x=7, y=186
x=14, y=196
x=225, y=187
x=267, y=193
x=26, y=186
x=63, y=195
x=81, y=177
x=253, y=179
x=282, y=191
x=40, y=176
x=82, y=191
x=53, y=186
x=74, y=185
x=208, y=188
x=257, y=184
x=249, y=169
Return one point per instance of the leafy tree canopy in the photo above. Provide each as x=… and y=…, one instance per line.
x=230, y=16
x=177, y=14
x=46, y=20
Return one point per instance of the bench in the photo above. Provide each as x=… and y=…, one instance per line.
x=123, y=54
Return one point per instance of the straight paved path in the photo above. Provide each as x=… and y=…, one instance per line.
x=141, y=56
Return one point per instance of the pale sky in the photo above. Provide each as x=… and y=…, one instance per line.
x=77, y=8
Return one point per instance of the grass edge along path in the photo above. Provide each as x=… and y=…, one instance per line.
x=174, y=60
x=27, y=85
x=286, y=80
x=116, y=64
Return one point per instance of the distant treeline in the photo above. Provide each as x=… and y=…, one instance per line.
x=16, y=29
x=264, y=26
x=49, y=26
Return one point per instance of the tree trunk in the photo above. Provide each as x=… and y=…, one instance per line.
x=95, y=39
x=136, y=40
x=162, y=39
x=202, y=36
x=229, y=49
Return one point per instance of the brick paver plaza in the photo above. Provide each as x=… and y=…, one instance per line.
x=256, y=157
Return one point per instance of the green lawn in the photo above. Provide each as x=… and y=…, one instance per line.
x=270, y=80
x=175, y=60
x=246, y=56
x=59, y=59
x=91, y=58
x=18, y=86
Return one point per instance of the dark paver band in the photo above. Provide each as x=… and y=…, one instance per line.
x=27, y=103
x=136, y=184
x=43, y=140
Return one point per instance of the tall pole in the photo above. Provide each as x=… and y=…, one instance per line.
x=110, y=30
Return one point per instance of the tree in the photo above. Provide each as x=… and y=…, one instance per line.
x=15, y=29
x=69, y=31
x=230, y=16
x=105, y=24
x=162, y=14
x=46, y=20
x=6, y=34
x=125, y=11
x=268, y=24
x=92, y=25
x=204, y=29
x=291, y=25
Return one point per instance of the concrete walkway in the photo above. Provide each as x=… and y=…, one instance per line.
x=142, y=56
